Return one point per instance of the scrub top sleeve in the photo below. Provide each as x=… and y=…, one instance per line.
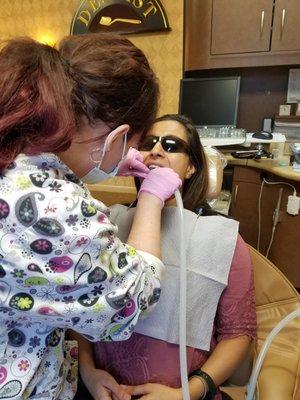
x=156, y=267
x=68, y=269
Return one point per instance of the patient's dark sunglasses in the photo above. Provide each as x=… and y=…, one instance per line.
x=170, y=144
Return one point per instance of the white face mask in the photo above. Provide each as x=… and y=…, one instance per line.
x=96, y=174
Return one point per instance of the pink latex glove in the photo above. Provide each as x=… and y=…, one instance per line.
x=162, y=182
x=132, y=165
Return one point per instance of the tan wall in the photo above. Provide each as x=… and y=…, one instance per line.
x=50, y=20
x=165, y=52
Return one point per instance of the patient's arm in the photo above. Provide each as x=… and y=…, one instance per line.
x=223, y=361
x=235, y=320
x=101, y=385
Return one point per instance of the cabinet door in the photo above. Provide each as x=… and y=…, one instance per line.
x=244, y=208
x=286, y=26
x=241, y=26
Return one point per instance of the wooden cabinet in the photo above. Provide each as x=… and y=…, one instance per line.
x=235, y=33
x=286, y=26
x=255, y=222
x=241, y=27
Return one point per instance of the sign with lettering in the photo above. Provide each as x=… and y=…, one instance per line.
x=120, y=16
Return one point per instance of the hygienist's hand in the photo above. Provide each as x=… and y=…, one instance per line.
x=132, y=165
x=154, y=391
x=162, y=182
x=102, y=386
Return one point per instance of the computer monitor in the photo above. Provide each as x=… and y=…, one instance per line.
x=210, y=101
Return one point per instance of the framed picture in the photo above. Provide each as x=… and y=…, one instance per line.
x=285, y=109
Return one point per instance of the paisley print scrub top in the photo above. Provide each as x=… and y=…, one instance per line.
x=61, y=266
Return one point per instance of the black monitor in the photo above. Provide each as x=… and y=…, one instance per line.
x=210, y=101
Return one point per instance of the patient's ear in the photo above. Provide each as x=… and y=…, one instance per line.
x=190, y=171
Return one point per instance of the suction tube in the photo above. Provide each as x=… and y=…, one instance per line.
x=182, y=304
x=256, y=370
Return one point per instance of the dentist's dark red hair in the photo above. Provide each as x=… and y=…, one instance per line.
x=44, y=93
x=35, y=100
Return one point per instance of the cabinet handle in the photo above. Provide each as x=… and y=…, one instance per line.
x=235, y=193
x=282, y=23
x=262, y=22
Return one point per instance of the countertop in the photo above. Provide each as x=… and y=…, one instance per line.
x=268, y=165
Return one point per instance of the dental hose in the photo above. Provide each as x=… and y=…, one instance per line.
x=182, y=304
x=253, y=378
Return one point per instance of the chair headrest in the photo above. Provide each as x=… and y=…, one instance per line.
x=216, y=162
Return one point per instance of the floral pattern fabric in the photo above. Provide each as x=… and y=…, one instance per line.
x=61, y=266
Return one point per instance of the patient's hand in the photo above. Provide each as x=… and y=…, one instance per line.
x=102, y=386
x=154, y=391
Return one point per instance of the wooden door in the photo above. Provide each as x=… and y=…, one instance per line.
x=241, y=26
x=286, y=26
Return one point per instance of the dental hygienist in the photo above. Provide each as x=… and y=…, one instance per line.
x=67, y=118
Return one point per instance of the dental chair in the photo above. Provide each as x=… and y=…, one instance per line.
x=275, y=298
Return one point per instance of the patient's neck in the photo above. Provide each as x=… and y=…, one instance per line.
x=171, y=202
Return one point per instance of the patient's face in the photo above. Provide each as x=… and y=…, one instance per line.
x=166, y=145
